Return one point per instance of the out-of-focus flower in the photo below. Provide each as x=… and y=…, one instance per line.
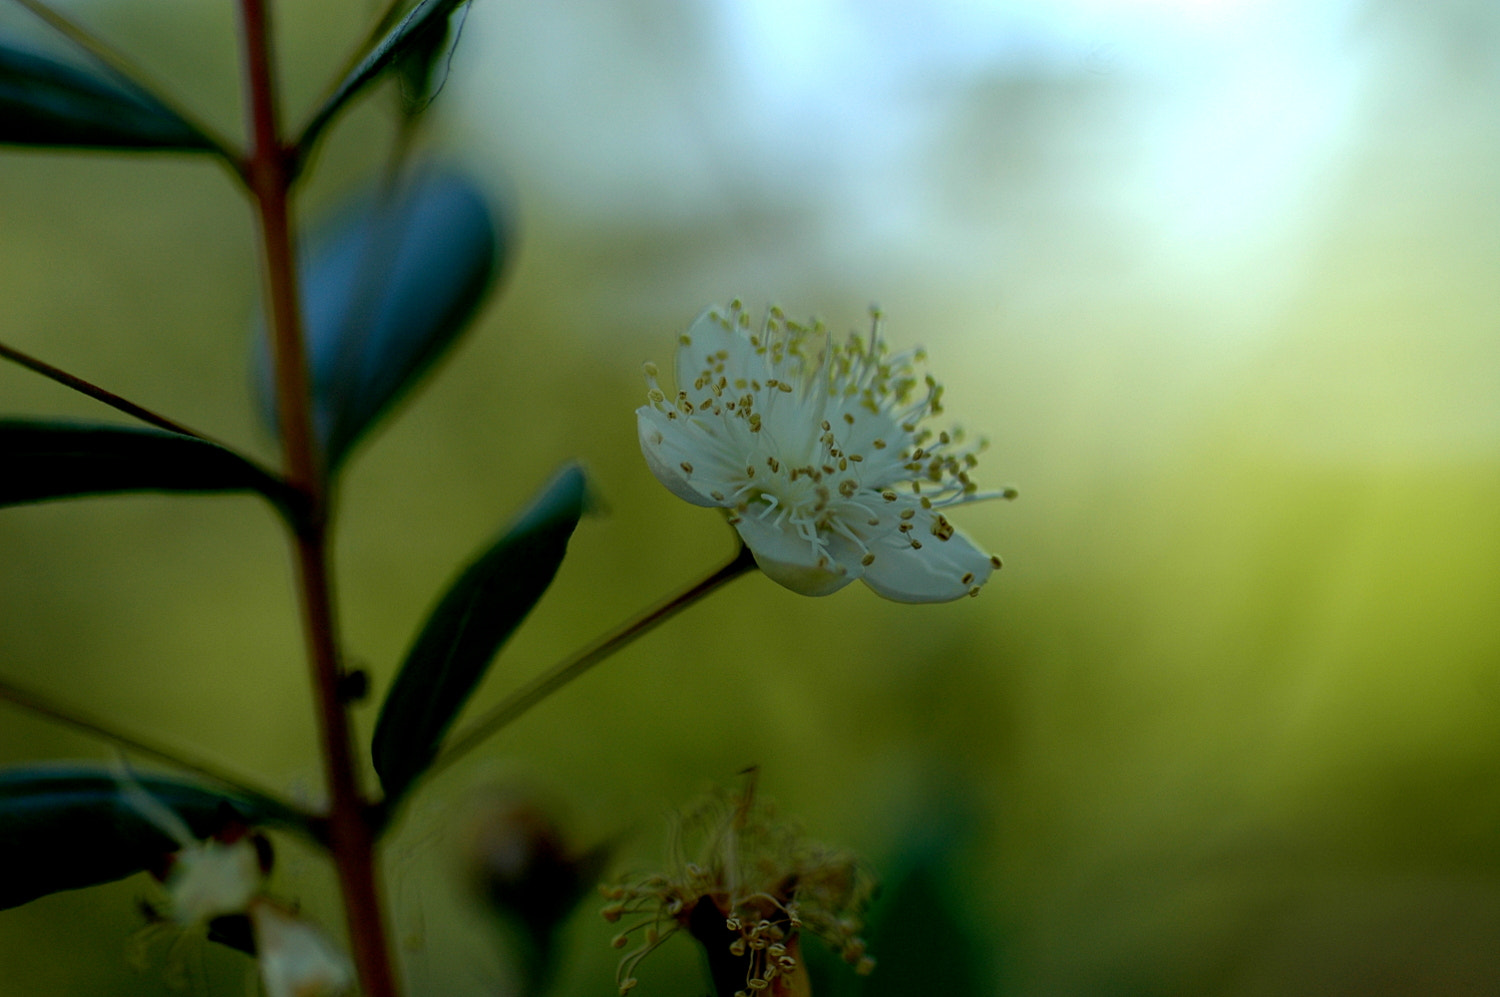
x=203, y=879
x=818, y=453
x=529, y=873
x=225, y=878
x=745, y=885
x=296, y=959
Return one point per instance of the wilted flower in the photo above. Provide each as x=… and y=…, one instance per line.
x=745, y=885
x=818, y=453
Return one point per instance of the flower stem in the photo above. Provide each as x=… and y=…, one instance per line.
x=569, y=669
x=270, y=171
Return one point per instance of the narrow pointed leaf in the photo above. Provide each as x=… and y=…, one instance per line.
x=387, y=286
x=47, y=460
x=44, y=102
x=461, y=636
x=65, y=827
x=414, y=30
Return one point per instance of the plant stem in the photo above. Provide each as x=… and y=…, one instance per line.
x=270, y=171
x=95, y=392
x=70, y=716
x=569, y=669
x=118, y=403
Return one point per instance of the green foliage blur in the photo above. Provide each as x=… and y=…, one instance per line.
x=1224, y=724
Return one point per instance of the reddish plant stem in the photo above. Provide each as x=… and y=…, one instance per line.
x=270, y=171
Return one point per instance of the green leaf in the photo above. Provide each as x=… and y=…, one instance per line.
x=387, y=286
x=44, y=102
x=65, y=827
x=415, y=31
x=461, y=636
x=46, y=460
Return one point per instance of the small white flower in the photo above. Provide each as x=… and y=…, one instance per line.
x=296, y=959
x=207, y=879
x=817, y=452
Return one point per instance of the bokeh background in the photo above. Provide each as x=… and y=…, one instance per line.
x=1219, y=282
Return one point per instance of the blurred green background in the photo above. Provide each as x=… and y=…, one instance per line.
x=1218, y=280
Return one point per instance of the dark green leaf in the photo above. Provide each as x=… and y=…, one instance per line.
x=415, y=31
x=387, y=286
x=475, y=616
x=49, y=103
x=65, y=827
x=46, y=460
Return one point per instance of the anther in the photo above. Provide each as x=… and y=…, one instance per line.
x=868, y=559
x=686, y=467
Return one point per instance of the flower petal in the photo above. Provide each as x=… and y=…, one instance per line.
x=699, y=353
x=941, y=571
x=790, y=560
x=296, y=959
x=656, y=448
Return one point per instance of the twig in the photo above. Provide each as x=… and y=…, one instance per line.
x=73, y=717
x=566, y=671
x=269, y=171
x=95, y=392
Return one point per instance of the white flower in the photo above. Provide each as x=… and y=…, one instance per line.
x=817, y=452
x=296, y=959
x=207, y=879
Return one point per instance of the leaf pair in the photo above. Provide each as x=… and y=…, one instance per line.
x=47, y=102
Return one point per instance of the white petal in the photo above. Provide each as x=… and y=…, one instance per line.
x=792, y=561
x=936, y=573
x=213, y=879
x=296, y=959
x=706, y=337
x=652, y=428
